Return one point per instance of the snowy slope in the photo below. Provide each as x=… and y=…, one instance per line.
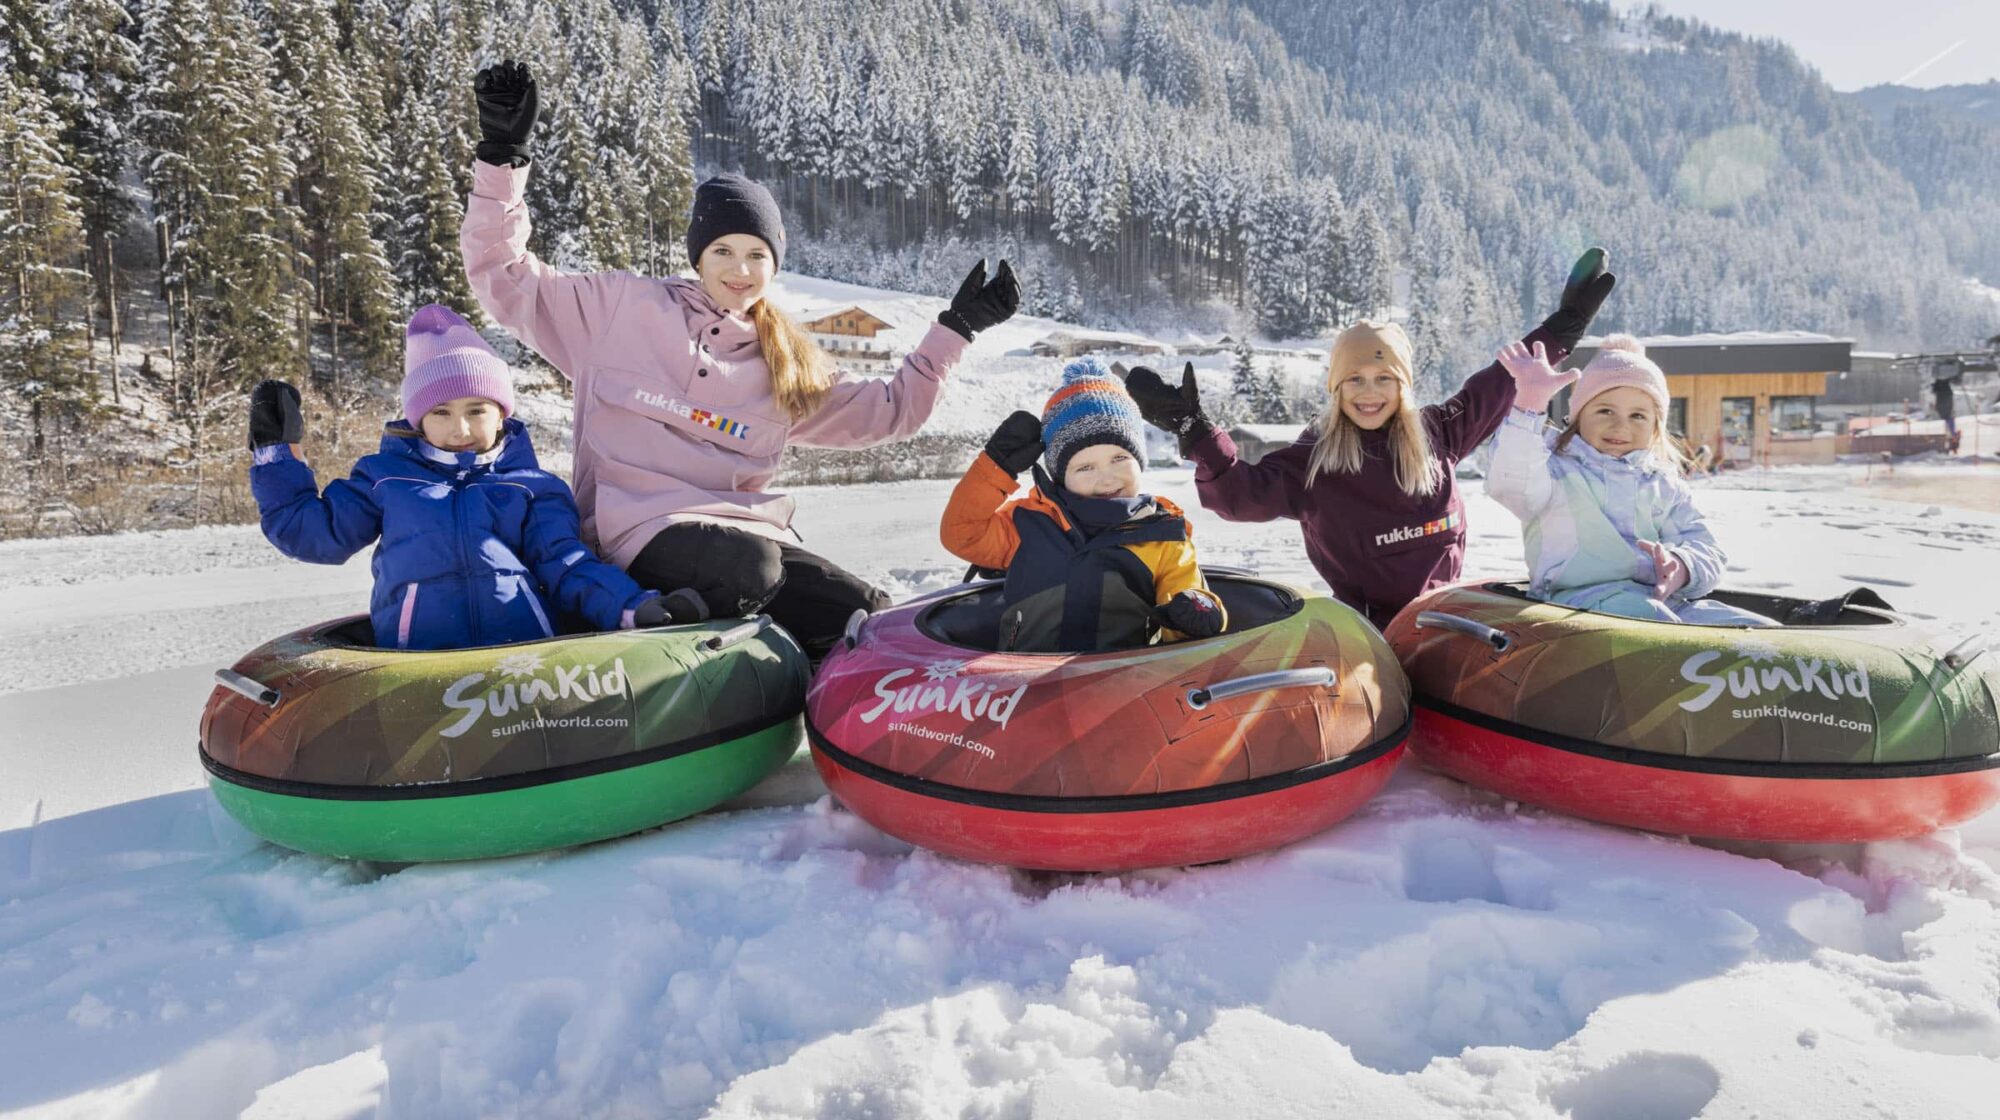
x=997, y=374
x=1442, y=953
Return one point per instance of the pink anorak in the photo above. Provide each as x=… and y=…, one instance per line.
x=675, y=418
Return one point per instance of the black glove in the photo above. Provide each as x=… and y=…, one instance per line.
x=1017, y=442
x=275, y=415
x=1588, y=287
x=1169, y=409
x=980, y=303
x=678, y=608
x=508, y=107
x=1193, y=613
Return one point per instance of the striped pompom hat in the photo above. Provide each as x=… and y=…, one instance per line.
x=1090, y=408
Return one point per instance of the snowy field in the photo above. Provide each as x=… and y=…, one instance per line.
x=1441, y=953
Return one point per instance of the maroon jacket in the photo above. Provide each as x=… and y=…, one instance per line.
x=1377, y=547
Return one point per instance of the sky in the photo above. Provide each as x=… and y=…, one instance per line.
x=1858, y=43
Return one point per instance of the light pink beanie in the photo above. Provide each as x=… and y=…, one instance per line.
x=1620, y=362
x=445, y=359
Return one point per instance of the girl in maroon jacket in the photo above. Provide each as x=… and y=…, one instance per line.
x=1372, y=482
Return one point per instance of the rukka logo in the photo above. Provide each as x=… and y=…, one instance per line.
x=1759, y=670
x=661, y=401
x=726, y=425
x=1443, y=524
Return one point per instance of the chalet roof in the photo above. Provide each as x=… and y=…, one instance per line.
x=822, y=312
x=1739, y=352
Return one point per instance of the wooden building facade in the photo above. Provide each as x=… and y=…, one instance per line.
x=1749, y=397
x=848, y=336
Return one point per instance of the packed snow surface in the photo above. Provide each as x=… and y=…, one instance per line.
x=1440, y=953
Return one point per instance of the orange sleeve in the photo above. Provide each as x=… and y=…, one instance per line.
x=978, y=525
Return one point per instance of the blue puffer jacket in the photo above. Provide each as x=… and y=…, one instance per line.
x=474, y=546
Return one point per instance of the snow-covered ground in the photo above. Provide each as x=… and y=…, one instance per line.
x=998, y=374
x=1441, y=953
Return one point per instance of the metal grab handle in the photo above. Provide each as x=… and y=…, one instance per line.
x=737, y=634
x=1500, y=642
x=852, y=634
x=1319, y=676
x=248, y=689
x=1956, y=658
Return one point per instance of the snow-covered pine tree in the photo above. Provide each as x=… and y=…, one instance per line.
x=89, y=81
x=1247, y=385
x=210, y=117
x=44, y=292
x=1327, y=259
x=336, y=186
x=427, y=150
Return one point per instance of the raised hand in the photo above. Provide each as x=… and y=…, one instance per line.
x=1535, y=381
x=275, y=415
x=1585, y=291
x=982, y=303
x=1017, y=442
x=1167, y=408
x=508, y=108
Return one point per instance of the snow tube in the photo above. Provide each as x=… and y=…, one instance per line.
x=1853, y=728
x=1172, y=754
x=321, y=743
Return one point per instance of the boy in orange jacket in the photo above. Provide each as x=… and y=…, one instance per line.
x=1091, y=564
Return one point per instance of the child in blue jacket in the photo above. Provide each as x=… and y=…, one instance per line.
x=477, y=542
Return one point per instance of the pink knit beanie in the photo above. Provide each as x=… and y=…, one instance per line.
x=1621, y=362
x=445, y=359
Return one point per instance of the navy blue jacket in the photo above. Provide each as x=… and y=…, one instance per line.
x=474, y=545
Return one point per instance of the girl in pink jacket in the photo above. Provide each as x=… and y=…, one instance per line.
x=687, y=391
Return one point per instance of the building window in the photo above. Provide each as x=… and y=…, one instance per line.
x=1677, y=416
x=1792, y=416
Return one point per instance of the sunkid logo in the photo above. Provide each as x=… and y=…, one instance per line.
x=943, y=690
x=1761, y=673
x=582, y=683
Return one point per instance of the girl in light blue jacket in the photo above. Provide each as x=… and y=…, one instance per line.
x=1609, y=524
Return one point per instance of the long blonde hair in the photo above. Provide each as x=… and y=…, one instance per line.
x=799, y=375
x=1339, y=448
x=1665, y=448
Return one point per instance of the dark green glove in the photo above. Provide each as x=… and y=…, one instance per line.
x=508, y=108
x=1588, y=287
x=275, y=415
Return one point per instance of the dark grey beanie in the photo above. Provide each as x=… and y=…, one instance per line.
x=729, y=204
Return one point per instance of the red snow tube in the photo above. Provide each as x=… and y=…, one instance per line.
x=1169, y=755
x=1853, y=729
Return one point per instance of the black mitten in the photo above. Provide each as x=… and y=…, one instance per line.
x=1194, y=613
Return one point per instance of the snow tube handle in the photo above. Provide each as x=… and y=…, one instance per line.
x=737, y=634
x=1500, y=642
x=1958, y=657
x=852, y=634
x=243, y=686
x=1317, y=677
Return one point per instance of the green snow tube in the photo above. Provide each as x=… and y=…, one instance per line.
x=325, y=744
